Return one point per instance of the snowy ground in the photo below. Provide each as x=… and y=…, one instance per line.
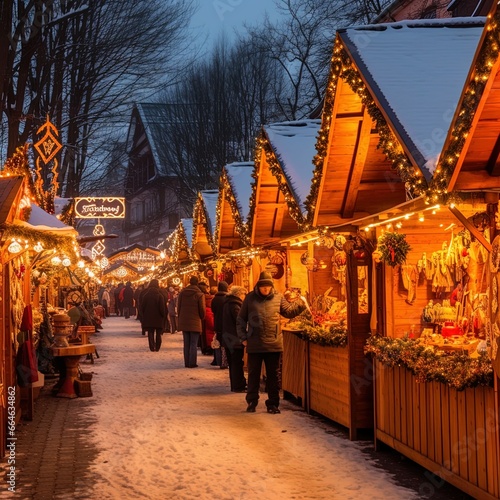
x=168, y=432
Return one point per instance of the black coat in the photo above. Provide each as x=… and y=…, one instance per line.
x=259, y=320
x=152, y=308
x=128, y=297
x=217, y=306
x=231, y=308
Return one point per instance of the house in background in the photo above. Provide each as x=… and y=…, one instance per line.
x=400, y=10
x=153, y=209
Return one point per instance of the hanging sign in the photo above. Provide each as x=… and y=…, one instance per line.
x=105, y=208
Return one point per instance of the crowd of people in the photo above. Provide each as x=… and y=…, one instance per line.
x=223, y=321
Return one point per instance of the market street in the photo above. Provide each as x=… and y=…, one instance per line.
x=156, y=430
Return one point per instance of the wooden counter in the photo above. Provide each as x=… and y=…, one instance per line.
x=451, y=433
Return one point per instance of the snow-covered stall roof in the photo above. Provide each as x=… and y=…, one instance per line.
x=417, y=70
x=239, y=175
x=210, y=200
x=40, y=220
x=294, y=144
x=187, y=225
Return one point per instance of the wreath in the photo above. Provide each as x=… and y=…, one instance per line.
x=393, y=248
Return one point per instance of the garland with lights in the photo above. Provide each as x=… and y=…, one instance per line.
x=264, y=147
x=178, y=241
x=393, y=248
x=483, y=65
x=428, y=364
x=18, y=164
x=416, y=185
x=253, y=197
x=65, y=244
x=200, y=216
x=226, y=187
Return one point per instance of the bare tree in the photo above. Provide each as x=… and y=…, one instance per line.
x=83, y=62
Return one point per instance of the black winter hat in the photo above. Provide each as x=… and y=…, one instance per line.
x=193, y=280
x=222, y=287
x=265, y=279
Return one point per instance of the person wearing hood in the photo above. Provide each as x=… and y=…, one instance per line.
x=258, y=327
x=190, y=316
x=153, y=313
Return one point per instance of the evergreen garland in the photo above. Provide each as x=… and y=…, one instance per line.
x=429, y=364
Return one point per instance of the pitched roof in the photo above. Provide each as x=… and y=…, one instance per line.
x=240, y=178
x=294, y=144
x=9, y=189
x=209, y=198
x=416, y=71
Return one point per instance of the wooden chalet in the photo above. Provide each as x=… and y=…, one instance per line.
x=204, y=224
x=131, y=263
x=235, y=188
x=440, y=139
x=283, y=177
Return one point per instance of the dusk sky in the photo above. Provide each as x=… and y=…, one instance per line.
x=217, y=16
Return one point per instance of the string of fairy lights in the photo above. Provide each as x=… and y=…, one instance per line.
x=436, y=190
x=200, y=218
x=228, y=195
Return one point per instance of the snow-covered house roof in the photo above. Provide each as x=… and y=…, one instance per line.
x=416, y=71
x=233, y=204
x=180, y=241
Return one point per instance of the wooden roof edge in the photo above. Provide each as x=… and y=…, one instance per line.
x=493, y=17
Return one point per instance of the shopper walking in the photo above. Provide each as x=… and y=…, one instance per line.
x=153, y=314
x=259, y=330
x=106, y=300
x=127, y=295
x=230, y=340
x=217, y=306
x=191, y=312
x=172, y=310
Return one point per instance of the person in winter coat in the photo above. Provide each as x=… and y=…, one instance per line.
x=258, y=327
x=172, y=310
x=190, y=314
x=153, y=313
x=118, y=302
x=106, y=299
x=137, y=300
x=230, y=340
x=127, y=295
x=216, y=306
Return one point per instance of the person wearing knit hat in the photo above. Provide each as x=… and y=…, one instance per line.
x=265, y=279
x=259, y=330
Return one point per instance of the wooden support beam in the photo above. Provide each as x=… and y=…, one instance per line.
x=493, y=166
x=472, y=229
x=357, y=165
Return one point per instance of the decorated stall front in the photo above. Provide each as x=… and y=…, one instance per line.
x=435, y=400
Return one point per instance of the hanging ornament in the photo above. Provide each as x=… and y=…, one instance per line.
x=393, y=248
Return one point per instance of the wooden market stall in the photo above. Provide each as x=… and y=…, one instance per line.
x=435, y=392
x=231, y=231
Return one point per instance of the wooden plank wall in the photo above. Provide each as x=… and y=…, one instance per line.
x=452, y=433
x=294, y=363
x=426, y=237
x=329, y=382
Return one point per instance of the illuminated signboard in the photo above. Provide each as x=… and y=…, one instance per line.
x=105, y=208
